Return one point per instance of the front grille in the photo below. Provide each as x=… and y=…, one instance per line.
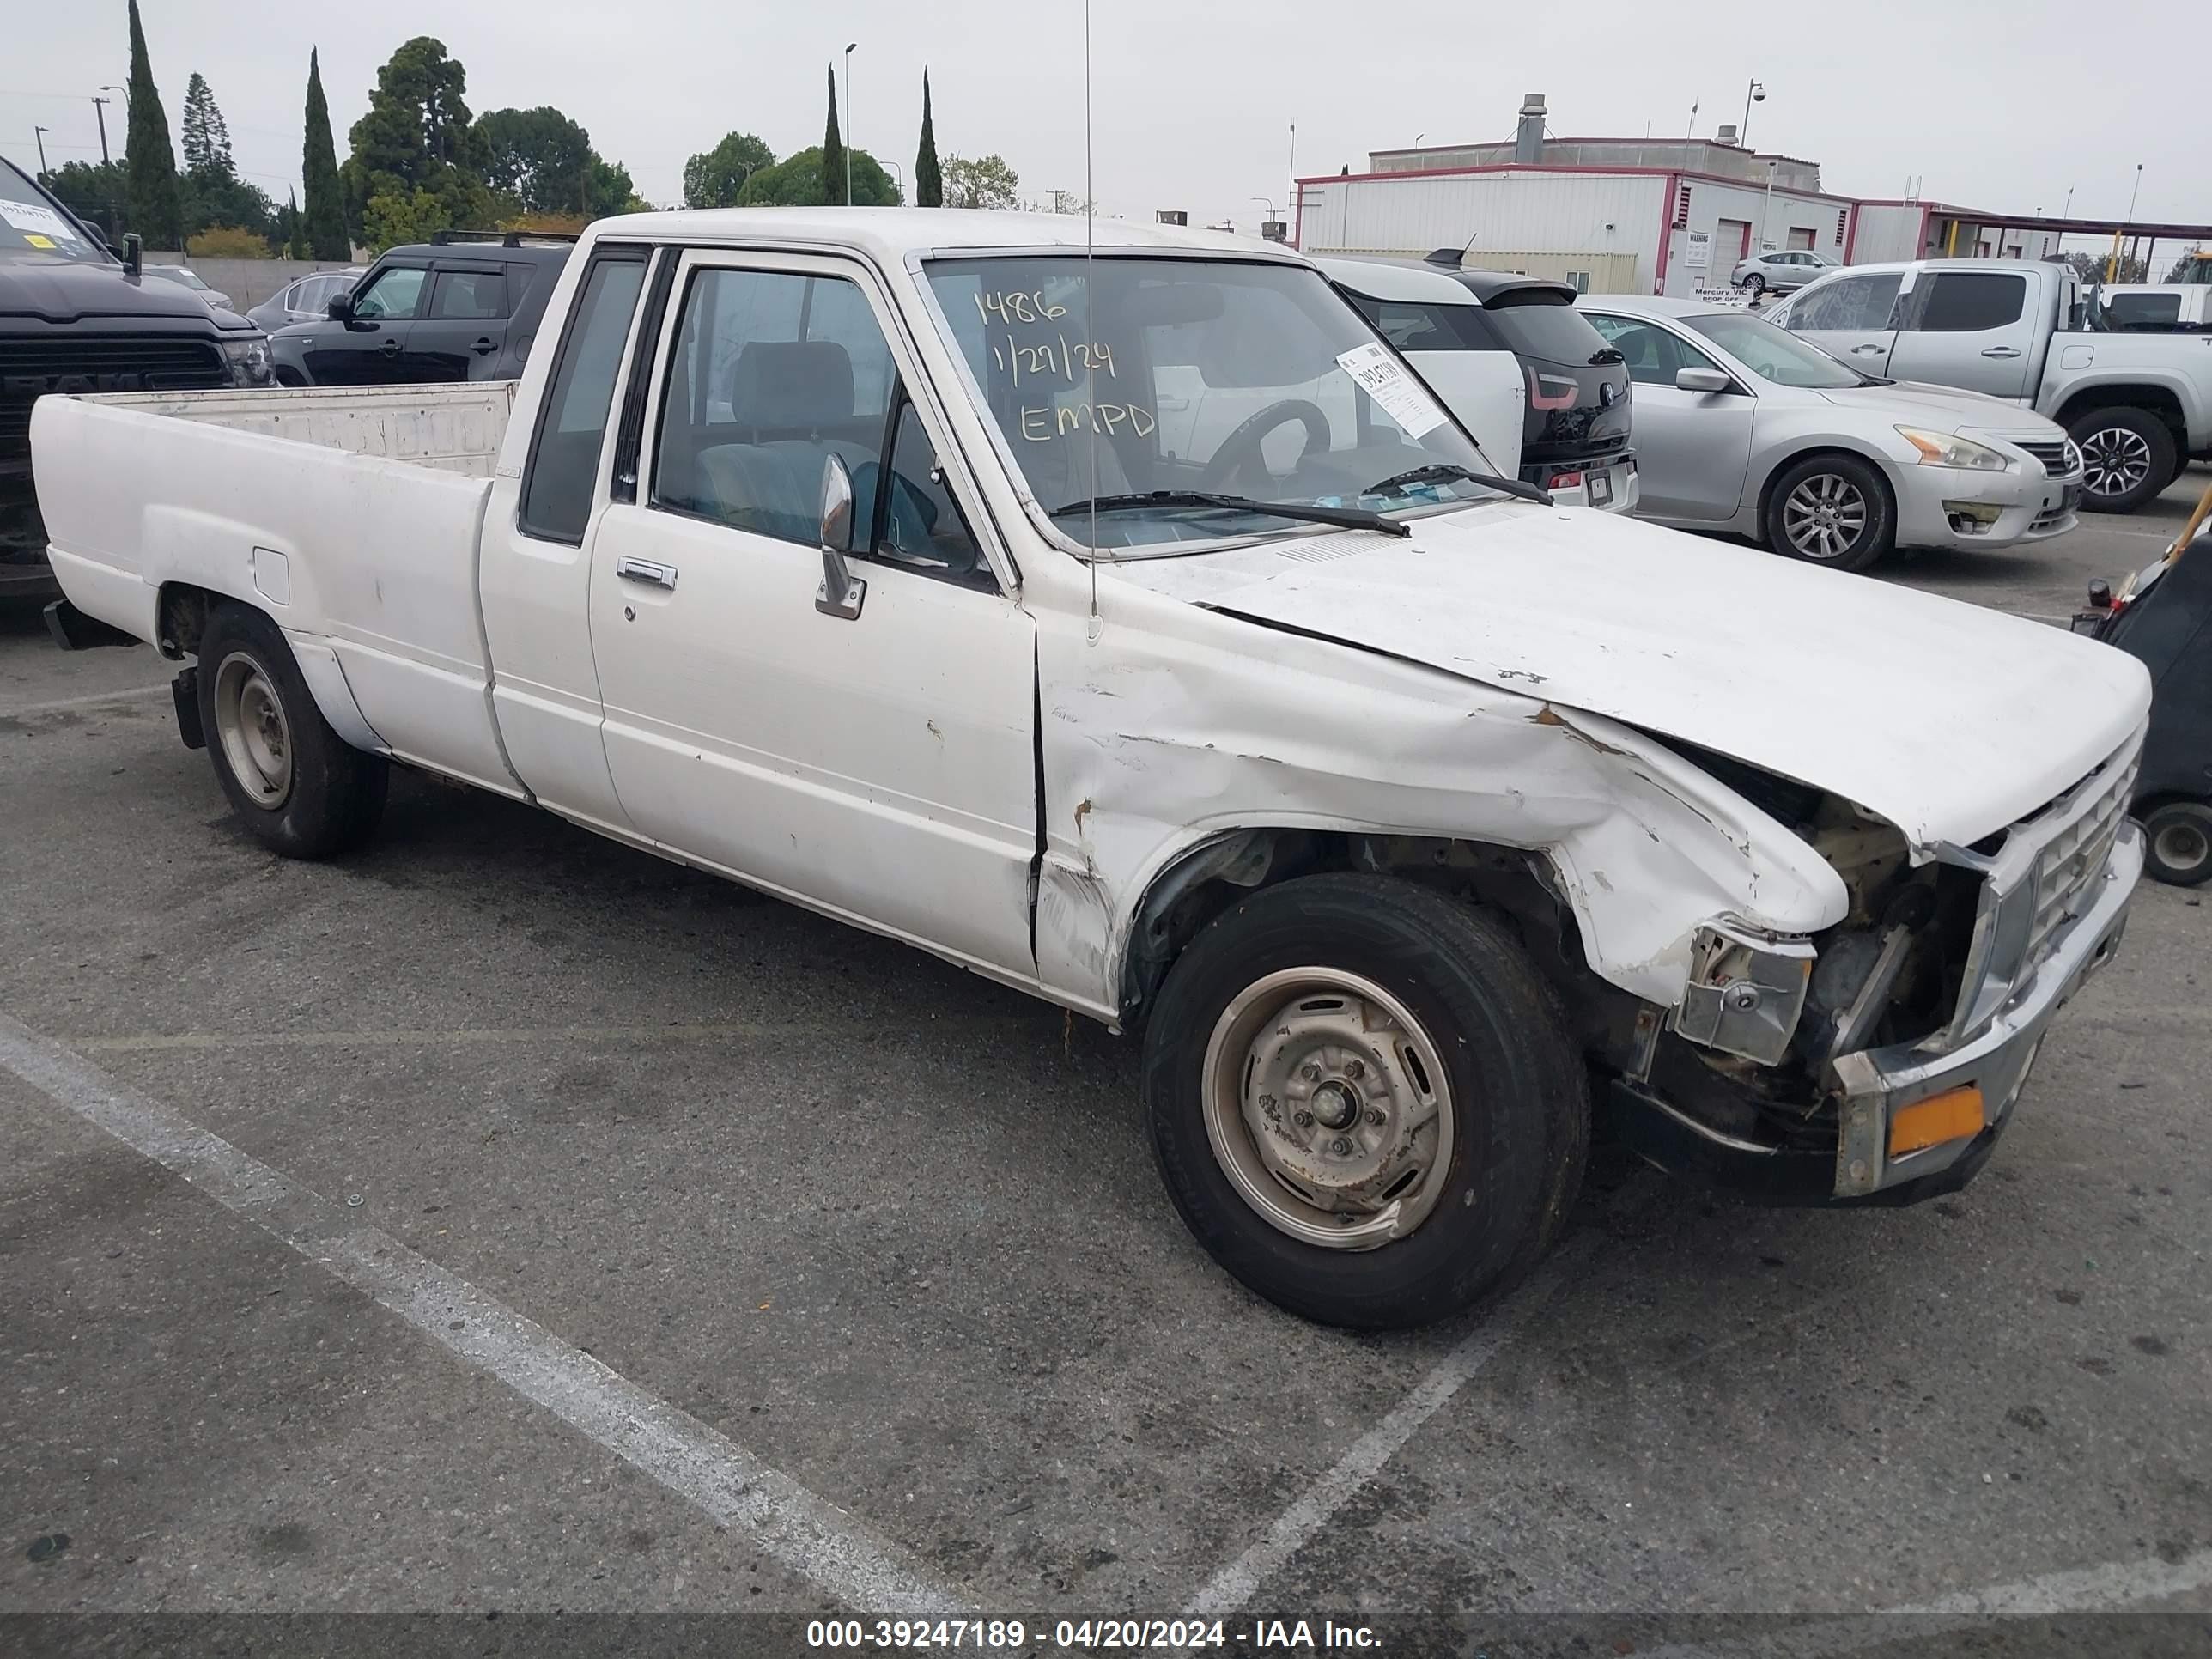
x=31, y=368
x=2060, y=459
x=2073, y=858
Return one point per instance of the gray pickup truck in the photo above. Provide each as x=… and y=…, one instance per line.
x=2140, y=406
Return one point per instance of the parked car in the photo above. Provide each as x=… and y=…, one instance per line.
x=306, y=300
x=1742, y=427
x=2152, y=307
x=837, y=551
x=1780, y=270
x=2139, y=405
x=185, y=276
x=75, y=318
x=460, y=307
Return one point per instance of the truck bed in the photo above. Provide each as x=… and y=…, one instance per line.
x=350, y=514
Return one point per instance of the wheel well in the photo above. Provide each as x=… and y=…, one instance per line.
x=1774, y=476
x=2153, y=399
x=1512, y=883
x=180, y=616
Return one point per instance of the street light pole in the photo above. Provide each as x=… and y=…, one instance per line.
x=39, y=134
x=1765, y=207
x=848, y=124
x=1752, y=93
x=2112, y=263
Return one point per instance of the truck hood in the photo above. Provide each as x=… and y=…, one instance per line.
x=66, y=293
x=1947, y=719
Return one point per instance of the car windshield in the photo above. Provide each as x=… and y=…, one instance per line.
x=1136, y=383
x=1774, y=354
x=33, y=231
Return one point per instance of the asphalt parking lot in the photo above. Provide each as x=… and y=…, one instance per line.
x=536, y=1225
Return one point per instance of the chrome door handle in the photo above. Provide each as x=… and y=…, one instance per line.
x=645, y=570
x=1863, y=349
x=2001, y=351
x=390, y=348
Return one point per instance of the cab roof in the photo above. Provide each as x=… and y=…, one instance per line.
x=891, y=234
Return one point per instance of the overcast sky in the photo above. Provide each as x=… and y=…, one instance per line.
x=2000, y=104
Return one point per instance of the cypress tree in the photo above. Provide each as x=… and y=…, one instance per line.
x=150, y=164
x=833, y=150
x=928, y=182
x=323, y=226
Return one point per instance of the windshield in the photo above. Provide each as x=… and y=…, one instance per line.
x=34, y=232
x=1254, y=381
x=1774, y=354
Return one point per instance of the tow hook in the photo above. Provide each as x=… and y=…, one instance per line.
x=186, y=689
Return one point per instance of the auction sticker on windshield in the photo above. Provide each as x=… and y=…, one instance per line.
x=1401, y=396
x=32, y=216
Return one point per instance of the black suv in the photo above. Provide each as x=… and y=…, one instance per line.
x=464, y=306
x=73, y=317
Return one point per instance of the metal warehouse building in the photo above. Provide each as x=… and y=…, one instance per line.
x=1623, y=216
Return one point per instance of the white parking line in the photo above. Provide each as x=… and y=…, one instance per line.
x=806, y=1533
x=1237, y=1582
x=95, y=700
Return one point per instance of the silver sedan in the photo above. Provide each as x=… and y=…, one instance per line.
x=1742, y=427
x=1780, y=270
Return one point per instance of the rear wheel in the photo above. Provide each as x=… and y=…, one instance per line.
x=1833, y=510
x=2178, y=843
x=2128, y=457
x=1755, y=284
x=1365, y=1100
x=302, y=789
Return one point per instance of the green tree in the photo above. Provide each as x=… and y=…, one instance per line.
x=2090, y=267
x=417, y=140
x=210, y=199
x=713, y=178
x=983, y=181
x=323, y=224
x=290, y=240
x=207, y=138
x=833, y=149
x=797, y=181
x=928, y=178
x=538, y=156
x=156, y=207
x=394, y=216
x=93, y=191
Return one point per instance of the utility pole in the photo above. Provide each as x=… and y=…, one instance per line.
x=40, y=133
x=849, y=134
x=100, y=110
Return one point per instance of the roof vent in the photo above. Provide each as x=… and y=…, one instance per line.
x=1528, y=141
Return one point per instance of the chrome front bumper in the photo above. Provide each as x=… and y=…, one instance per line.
x=1881, y=1081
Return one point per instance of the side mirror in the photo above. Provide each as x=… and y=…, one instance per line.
x=1701, y=380
x=341, y=308
x=134, y=254
x=842, y=591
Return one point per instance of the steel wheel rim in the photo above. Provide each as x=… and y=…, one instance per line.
x=1328, y=1108
x=2181, y=846
x=1824, y=516
x=2114, y=461
x=256, y=737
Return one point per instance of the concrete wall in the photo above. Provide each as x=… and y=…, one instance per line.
x=248, y=281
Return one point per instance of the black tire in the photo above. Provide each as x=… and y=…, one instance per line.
x=2178, y=843
x=1754, y=284
x=2130, y=456
x=1518, y=1098
x=1851, y=479
x=332, y=795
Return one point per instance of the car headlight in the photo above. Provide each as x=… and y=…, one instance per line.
x=249, y=360
x=1949, y=449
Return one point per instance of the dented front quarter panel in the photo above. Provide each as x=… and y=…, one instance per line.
x=1166, y=725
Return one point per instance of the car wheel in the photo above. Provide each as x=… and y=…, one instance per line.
x=1365, y=1100
x=1755, y=284
x=2178, y=843
x=2128, y=457
x=302, y=789
x=1834, y=510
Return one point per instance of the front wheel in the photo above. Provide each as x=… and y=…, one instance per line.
x=2178, y=843
x=2128, y=456
x=302, y=789
x=1833, y=510
x=1365, y=1100
x=1754, y=284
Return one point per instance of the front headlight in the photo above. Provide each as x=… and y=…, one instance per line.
x=249, y=360
x=1949, y=449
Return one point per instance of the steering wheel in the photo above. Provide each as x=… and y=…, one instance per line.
x=1241, y=448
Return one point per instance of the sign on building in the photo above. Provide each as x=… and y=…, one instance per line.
x=1700, y=256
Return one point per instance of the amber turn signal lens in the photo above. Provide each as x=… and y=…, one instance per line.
x=1952, y=1116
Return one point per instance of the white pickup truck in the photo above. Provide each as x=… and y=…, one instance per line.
x=839, y=552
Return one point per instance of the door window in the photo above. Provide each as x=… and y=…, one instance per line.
x=1969, y=301
x=394, y=292
x=564, y=461
x=1653, y=354
x=1862, y=303
x=470, y=294
x=773, y=374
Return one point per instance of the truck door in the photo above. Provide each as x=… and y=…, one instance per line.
x=463, y=326
x=880, y=766
x=1851, y=318
x=1967, y=328
x=365, y=350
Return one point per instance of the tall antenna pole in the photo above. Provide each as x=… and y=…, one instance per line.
x=1091, y=304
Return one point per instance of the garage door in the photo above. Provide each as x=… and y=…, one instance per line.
x=1732, y=239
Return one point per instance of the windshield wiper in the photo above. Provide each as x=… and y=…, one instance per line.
x=1351, y=518
x=1440, y=472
